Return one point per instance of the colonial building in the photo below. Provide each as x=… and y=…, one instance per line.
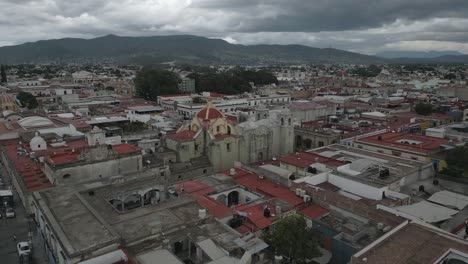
x=211, y=134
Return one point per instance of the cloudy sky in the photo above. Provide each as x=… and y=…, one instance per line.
x=366, y=26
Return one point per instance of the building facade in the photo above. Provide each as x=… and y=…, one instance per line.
x=211, y=134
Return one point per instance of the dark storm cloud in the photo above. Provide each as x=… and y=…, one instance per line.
x=359, y=25
x=335, y=15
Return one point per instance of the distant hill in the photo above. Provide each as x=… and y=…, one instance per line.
x=179, y=48
x=446, y=59
x=416, y=54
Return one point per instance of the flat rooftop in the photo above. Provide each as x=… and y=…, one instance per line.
x=347, y=153
x=84, y=218
x=406, y=141
x=146, y=108
x=78, y=226
x=411, y=243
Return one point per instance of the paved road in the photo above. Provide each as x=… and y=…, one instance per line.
x=19, y=226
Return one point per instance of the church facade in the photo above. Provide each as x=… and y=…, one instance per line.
x=268, y=135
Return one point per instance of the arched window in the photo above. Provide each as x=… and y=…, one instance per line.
x=282, y=121
x=260, y=156
x=233, y=198
x=229, y=130
x=289, y=121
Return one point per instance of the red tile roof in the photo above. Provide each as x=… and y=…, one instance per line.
x=305, y=159
x=264, y=186
x=63, y=158
x=199, y=191
x=183, y=135
x=81, y=124
x=232, y=118
x=30, y=172
x=218, y=95
x=125, y=148
x=255, y=214
x=314, y=211
x=260, y=163
x=427, y=145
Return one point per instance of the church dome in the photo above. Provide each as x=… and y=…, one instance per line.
x=209, y=112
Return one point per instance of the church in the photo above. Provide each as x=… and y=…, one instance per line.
x=266, y=135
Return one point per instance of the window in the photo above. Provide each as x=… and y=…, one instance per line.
x=161, y=173
x=196, y=147
x=38, y=145
x=321, y=144
x=66, y=176
x=228, y=147
x=218, y=128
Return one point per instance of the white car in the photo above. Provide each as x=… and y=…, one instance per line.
x=23, y=249
x=9, y=212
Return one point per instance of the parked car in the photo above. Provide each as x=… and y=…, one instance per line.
x=10, y=212
x=23, y=249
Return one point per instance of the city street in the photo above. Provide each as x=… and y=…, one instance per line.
x=19, y=226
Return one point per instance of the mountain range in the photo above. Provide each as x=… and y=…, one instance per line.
x=182, y=49
x=416, y=54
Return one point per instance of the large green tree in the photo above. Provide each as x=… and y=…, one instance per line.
x=457, y=161
x=150, y=83
x=292, y=239
x=27, y=100
x=423, y=109
x=370, y=71
x=3, y=76
x=234, y=81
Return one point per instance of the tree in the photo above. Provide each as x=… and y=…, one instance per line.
x=371, y=71
x=450, y=76
x=292, y=239
x=150, y=83
x=136, y=126
x=423, y=109
x=3, y=77
x=234, y=81
x=27, y=100
x=456, y=160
